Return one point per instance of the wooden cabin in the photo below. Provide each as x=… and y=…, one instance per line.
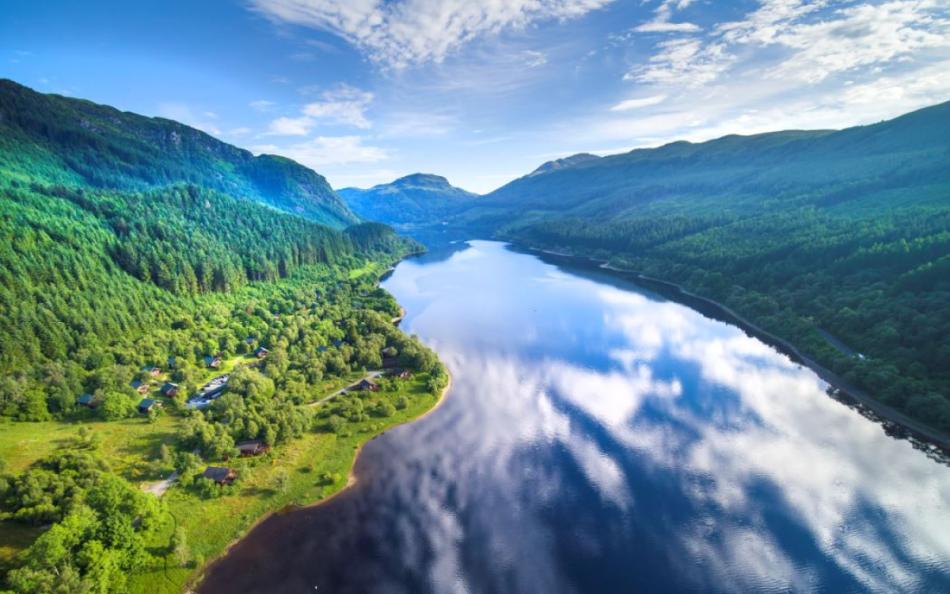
x=140, y=386
x=365, y=384
x=220, y=474
x=148, y=404
x=169, y=390
x=252, y=447
x=212, y=361
x=261, y=352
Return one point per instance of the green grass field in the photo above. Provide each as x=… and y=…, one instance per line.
x=210, y=525
x=125, y=444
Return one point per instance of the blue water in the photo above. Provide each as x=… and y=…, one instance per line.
x=598, y=438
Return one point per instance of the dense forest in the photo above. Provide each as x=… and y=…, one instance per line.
x=130, y=278
x=87, y=273
x=836, y=241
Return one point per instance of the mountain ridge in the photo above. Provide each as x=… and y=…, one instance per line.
x=408, y=199
x=614, y=181
x=556, y=164
x=99, y=146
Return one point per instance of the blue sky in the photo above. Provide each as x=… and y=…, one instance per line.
x=364, y=91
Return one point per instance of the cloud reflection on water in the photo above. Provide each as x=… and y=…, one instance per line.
x=598, y=439
x=838, y=478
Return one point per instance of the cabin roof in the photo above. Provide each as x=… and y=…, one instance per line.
x=217, y=473
x=250, y=445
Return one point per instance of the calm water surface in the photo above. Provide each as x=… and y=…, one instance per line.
x=600, y=439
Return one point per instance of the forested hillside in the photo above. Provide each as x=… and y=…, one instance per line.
x=86, y=273
x=80, y=143
x=412, y=200
x=140, y=259
x=814, y=236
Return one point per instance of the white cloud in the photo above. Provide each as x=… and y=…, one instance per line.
x=411, y=124
x=285, y=126
x=534, y=59
x=684, y=61
x=765, y=105
x=327, y=150
x=343, y=105
x=666, y=27
x=785, y=65
x=261, y=105
x=638, y=103
x=810, y=41
x=861, y=35
x=401, y=33
x=661, y=21
x=764, y=23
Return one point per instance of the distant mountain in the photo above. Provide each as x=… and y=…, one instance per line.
x=738, y=175
x=77, y=142
x=563, y=163
x=419, y=198
x=808, y=234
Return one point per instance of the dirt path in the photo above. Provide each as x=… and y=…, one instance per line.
x=369, y=376
x=158, y=489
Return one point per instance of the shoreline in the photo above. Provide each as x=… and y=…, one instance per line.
x=400, y=317
x=893, y=421
x=351, y=481
x=351, y=478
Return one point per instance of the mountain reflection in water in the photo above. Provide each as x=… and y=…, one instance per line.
x=600, y=439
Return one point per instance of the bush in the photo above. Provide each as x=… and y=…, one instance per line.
x=384, y=409
x=116, y=405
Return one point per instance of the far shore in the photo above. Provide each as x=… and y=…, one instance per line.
x=845, y=392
